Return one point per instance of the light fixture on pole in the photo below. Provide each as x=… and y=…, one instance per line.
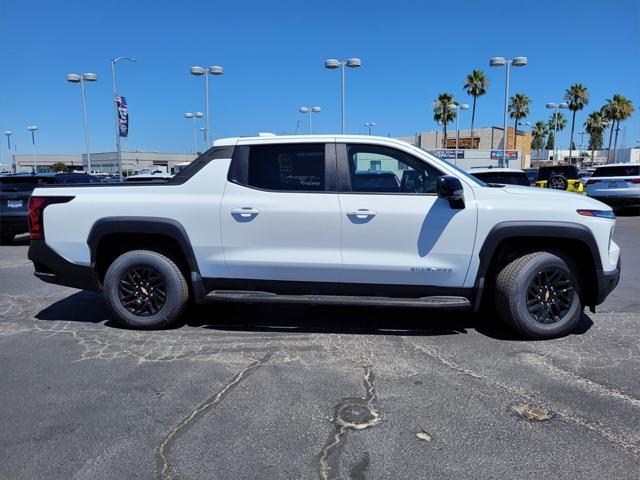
x=309, y=110
x=503, y=62
x=197, y=71
x=85, y=77
x=194, y=116
x=8, y=133
x=32, y=129
x=457, y=108
x=369, y=125
x=115, y=110
x=331, y=64
x=555, y=107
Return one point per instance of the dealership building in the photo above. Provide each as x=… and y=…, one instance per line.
x=106, y=162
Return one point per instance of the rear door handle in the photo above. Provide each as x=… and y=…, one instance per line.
x=361, y=213
x=245, y=211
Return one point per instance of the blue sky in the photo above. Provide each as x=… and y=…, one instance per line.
x=273, y=53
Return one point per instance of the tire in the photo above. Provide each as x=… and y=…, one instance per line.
x=558, y=182
x=522, y=288
x=145, y=290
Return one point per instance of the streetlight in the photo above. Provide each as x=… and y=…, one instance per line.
x=115, y=110
x=556, y=106
x=457, y=108
x=581, y=133
x=369, y=125
x=197, y=71
x=85, y=77
x=500, y=62
x=32, y=129
x=8, y=133
x=332, y=64
x=309, y=110
x=194, y=116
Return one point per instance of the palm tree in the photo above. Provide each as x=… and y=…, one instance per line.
x=577, y=96
x=476, y=85
x=519, y=108
x=443, y=113
x=539, y=132
x=595, y=125
x=616, y=110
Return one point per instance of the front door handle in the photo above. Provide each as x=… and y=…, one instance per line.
x=361, y=213
x=245, y=212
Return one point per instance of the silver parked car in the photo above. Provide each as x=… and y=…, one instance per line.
x=617, y=185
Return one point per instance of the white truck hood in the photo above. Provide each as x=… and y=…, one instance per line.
x=549, y=194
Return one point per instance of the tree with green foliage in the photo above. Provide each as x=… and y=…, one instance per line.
x=519, y=108
x=616, y=110
x=59, y=167
x=577, y=96
x=476, y=85
x=443, y=113
x=595, y=125
x=538, y=134
x=549, y=145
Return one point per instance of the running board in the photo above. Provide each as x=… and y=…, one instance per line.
x=436, y=302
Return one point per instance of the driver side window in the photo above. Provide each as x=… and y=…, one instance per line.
x=376, y=169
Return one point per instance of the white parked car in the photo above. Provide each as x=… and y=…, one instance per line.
x=617, y=185
x=312, y=219
x=501, y=176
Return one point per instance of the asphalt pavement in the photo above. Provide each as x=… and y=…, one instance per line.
x=304, y=392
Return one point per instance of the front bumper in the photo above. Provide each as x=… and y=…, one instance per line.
x=607, y=282
x=52, y=268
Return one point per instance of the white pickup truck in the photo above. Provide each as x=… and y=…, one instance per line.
x=337, y=219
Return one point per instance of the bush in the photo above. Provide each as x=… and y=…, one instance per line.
x=59, y=167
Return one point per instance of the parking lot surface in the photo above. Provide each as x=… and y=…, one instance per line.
x=298, y=392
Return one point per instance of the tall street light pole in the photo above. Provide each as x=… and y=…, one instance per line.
x=457, y=108
x=8, y=133
x=555, y=107
x=309, y=110
x=331, y=64
x=369, y=125
x=194, y=116
x=32, y=129
x=503, y=62
x=115, y=110
x=85, y=77
x=213, y=70
x=204, y=135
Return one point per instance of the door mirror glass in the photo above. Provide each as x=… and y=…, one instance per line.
x=450, y=187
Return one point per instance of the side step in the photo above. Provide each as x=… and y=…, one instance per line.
x=435, y=302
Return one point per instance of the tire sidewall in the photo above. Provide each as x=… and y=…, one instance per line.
x=174, y=304
x=518, y=299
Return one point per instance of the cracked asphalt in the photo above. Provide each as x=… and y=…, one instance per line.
x=308, y=392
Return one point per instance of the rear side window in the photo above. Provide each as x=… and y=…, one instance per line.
x=292, y=167
x=618, y=171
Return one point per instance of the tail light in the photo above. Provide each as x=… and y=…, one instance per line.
x=634, y=180
x=36, y=208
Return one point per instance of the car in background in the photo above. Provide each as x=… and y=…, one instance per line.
x=532, y=174
x=149, y=177
x=617, y=185
x=560, y=177
x=585, y=175
x=501, y=176
x=15, y=191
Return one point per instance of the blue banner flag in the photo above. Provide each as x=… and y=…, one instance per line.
x=123, y=116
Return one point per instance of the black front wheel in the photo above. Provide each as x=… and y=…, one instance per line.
x=145, y=290
x=539, y=296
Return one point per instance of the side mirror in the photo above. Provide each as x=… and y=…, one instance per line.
x=451, y=188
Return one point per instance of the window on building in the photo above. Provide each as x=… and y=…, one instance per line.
x=398, y=172
x=297, y=167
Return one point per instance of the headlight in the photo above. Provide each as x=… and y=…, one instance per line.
x=598, y=213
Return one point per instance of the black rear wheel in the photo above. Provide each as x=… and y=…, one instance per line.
x=145, y=290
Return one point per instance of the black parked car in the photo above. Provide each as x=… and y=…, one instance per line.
x=15, y=191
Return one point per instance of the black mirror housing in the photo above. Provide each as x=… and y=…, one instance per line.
x=450, y=187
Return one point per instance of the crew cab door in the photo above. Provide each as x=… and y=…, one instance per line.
x=395, y=229
x=280, y=216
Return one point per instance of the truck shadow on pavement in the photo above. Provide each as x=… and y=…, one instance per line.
x=87, y=307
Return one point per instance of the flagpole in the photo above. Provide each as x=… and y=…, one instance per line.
x=115, y=111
